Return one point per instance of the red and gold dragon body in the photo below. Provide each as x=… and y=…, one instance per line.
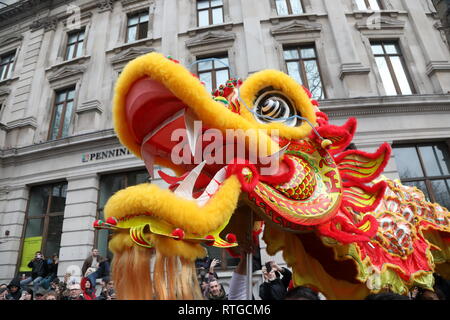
x=342, y=228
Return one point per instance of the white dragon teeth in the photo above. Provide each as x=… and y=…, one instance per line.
x=192, y=131
x=186, y=187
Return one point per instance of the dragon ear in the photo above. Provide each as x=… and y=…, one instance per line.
x=340, y=136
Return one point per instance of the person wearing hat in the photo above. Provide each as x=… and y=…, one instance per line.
x=75, y=292
x=40, y=294
x=14, y=289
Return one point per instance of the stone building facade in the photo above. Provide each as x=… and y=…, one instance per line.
x=385, y=62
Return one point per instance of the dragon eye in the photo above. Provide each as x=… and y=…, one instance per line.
x=274, y=106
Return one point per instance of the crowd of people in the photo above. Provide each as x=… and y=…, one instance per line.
x=277, y=285
x=43, y=283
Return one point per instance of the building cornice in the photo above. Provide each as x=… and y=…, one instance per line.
x=22, y=123
x=372, y=106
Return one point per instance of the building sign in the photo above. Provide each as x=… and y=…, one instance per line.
x=105, y=154
x=30, y=246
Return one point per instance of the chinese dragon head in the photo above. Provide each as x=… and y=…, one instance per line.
x=342, y=227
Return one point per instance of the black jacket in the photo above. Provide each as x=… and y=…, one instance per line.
x=39, y=268
x=276, y=289
x=16, y=295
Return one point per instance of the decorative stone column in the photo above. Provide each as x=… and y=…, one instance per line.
x=77, y=238
x=13, y=206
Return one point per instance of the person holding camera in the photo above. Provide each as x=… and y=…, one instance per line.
x=276, y=282
x=39, y=271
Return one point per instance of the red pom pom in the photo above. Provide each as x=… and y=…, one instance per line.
x=179, y=233
x=97, y=223
x=231, y=238
x=111, y=220
x=210, y=237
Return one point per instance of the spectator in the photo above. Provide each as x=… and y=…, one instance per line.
x=108, y=292
x=75, y=292
x=238, y=283
x=51, y=296
x=40, y=294
x=14, y=291
x=425, y=294
x=95, y=267
x=38, y=271
x=216, y=291
x=4, y=294
x=386, y=296
x=3, y=285
x=301, y=293
x=206, y=278
x=87, y=289
x=276, y=282
x=52, y=268
x=27, y=294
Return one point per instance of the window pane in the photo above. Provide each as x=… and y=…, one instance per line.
x=102, y=242
x=314, y=81
x=202, y=4
x=391, y=49
x=401, y=75
x=56, y=121
x=144, y=18
x=34, y=228
x=132, y=33
x=436, y=159
x=221, y=77
x=294, y=71
x=58, y=198
x=71, y=94
x=388, y=83
x=108, y=186
x=215, y=3
x=70, y=51
x=441, y=190
x=53, y=236
x=79, y=50
x=67, y=119
x=308, y=53
x=374, y=5
x=203, y=18
x=143, y=30
x=207, y=79
x=221, y=63
x=377, y=49
x=133, y=20
x=205, y=65
x=135, y=178
x=361, y=4
x=296, y=7
x=73, y=38
x=38, y=201
x=3, y=72
x=419, y=185
x=290, y=54
x=408, y=164
x=81, y=35
x=282, y=7
x=217, y=16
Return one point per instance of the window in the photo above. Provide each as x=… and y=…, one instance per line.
x=369, y=4
x=427, y=167
x=43, y=223
x=288, y=7
x=209, y=12
x=6, y=65
x=213, y=72
x=137, y=27
x=75, y=43
x=302, y=64
x=110, y=184
x=62, y=113
x=391, y=67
